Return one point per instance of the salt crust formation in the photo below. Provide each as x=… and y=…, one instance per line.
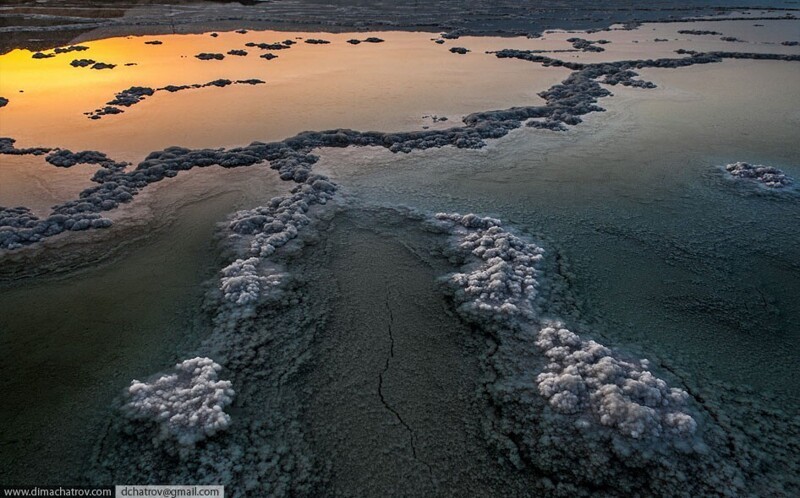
x=583, y=417
x=251, y=305
x=579, y=416
x=187, y=404
x=135, y=94
x=768, y=176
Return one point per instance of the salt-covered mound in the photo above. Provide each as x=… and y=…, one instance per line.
x=270, y=46
x=587, y=45
x=71, y=48
x=19, y=227
x=585, y=418
x=178, y=88
x=698, y=32
x=186, y=405
x=59, y=50
x=274, y=225
x=131, y=96
x=65, y=158
x=91, y=63
x=584, y=378
x=7, y=147
x=767, y=176
x=504, y=283
x=82, y=62
x=371, y=39
x=17, y=217
x=219, y=83
x=104, y=111
x=205, y=56
x=243, y=284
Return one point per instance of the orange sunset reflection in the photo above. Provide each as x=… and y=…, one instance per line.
x=383, y=86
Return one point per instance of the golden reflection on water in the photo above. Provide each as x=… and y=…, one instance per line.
x=382, y=86
x=386, y=86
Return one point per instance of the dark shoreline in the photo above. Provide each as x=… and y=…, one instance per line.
x=44, y=26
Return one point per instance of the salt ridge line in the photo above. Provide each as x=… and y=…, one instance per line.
x=501, y=291
x=254, y=235
x=267, y=451
x=135, y=94
x=565, y=103
x=581, y=415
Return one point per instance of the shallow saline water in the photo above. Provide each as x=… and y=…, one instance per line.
x=666, y=256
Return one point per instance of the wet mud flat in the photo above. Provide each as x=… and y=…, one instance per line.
x=395, y=407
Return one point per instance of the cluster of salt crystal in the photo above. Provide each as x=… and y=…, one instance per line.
x=584, y=377
x=187, y=404
x=279, y=221
x=241, y=283
x=769, y=176
x=504, y=283
x=581, y=378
